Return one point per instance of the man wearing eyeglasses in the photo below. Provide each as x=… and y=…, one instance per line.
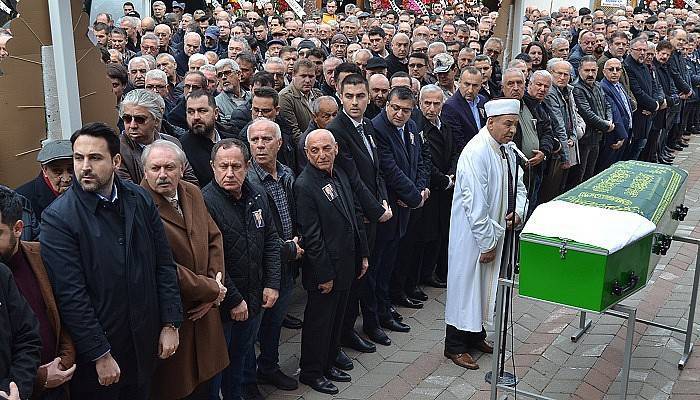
x=645, y=91
x=493, y=48
x=406, y=177
x=229, y=73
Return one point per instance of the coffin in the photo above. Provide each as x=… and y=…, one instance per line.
x=599, y=243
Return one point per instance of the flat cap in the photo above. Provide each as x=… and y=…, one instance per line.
x=55, y=150
x=376, y=62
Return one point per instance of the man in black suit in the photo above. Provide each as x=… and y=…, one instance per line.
x=406, y=180
x=358, y=157
x=465, y=109
x=335, y=255
x=199, y=141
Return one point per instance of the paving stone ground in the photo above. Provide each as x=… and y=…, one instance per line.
x=546, y=361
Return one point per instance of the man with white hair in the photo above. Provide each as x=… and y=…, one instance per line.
x=157, y=82
x=149, y=44
x=138, y=66
x=192, y=44
x=331, y=224
x=142, y=113
x=158, y=11
x=232, y=96
x=196, y=61
x=197, y=249
x=487, y=201
x=132, y=26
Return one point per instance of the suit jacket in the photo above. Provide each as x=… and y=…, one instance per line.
x=198, y=151
x=131, y=168
x=329, y=215
x=64, y=345
x=364, y=170
x=456, y=112
x=39, y=194
x=621, y=119
x=295, y=110
x=403, y=169
x=642, y=85
x=100, y=307
x=197, y=247
x=624, y=79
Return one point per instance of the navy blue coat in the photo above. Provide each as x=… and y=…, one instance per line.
x=622, y=130
x=404, y=173
x=641, y=85
x=457, y=114
x=104, y=304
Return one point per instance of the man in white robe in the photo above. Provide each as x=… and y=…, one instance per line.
x=479, y=219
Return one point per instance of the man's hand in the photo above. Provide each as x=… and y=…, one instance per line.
x=611, y=126
x=425, y=193
x=300, y=251
x=240, y=312
x=222, y=289
x=55, y=376
x=168, y=342
x=365, y=265
x=644, y=112
x=326, y=287
x=401, y=204
x=107, y=370
x=488, y=256
x=14, y=393
x=451, y=181
x=509, y=220
x=270, y=297
x=387, y=212
x=663, y=105
x=617, y=145
x=536, y=159
x=565, y=165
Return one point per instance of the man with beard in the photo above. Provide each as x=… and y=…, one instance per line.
x=596, y=113
x=120, y=325
x=599, y=47
x=198, y=142
x=142, y=113
x=55, y=177
x=24, y=260
x=193, y=80
x=465, y=109
x=378, y=90
x=296, y=98
x=232, y=96
x=617, y=48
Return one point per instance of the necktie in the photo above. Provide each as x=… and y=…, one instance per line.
x=511, y=193
x=403, y=139
x=623, y=97
x=176, y=205
x=361, y=131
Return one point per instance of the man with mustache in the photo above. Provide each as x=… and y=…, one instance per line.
x=198, y=142
x=197, y=248
x=142, y=113
x=56, y=159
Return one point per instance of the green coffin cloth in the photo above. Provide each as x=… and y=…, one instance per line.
x=643, y=188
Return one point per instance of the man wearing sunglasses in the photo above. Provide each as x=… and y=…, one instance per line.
x=142, y=113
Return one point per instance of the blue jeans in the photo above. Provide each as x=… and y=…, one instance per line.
x=240, y=337
x=269, y=335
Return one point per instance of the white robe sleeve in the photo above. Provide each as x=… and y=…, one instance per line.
x=475, y=179
x=521, y=198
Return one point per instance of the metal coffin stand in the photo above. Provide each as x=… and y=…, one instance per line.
x=584, y=323
x=618, y=310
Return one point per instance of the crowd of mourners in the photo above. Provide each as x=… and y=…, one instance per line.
x=256, y=150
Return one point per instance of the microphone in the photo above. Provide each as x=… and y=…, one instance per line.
x=517, y=151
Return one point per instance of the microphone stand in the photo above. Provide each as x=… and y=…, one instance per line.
x=507, y=266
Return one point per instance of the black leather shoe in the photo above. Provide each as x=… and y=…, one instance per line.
x=665, y=161
x=408, y=303
x=321, y=384
x=416, y=294
x=395, y=326
x=682, y=144
x=435, y=282
x=291, y=322
x=342, y=361
x=378, y=336
x=395, y=314
x=279, y=380
x=356, y=342
x=336, y=375
x=251, y=392
x=676, y=147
